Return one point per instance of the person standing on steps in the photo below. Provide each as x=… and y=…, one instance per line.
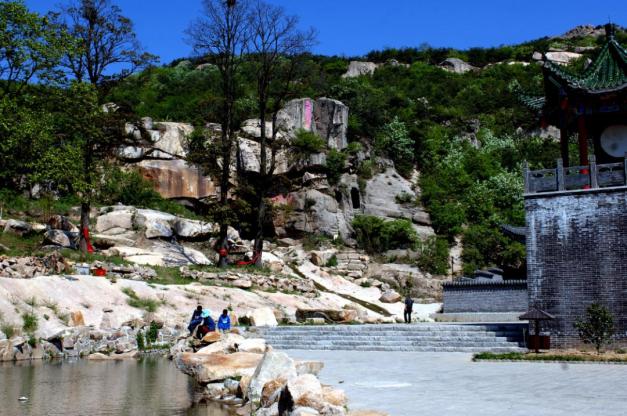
x=409, y=305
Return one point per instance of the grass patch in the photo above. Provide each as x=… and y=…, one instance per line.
x=8, y=330
x=565, y=356
x=29, y=322
x=29, y=245
x=149, y=305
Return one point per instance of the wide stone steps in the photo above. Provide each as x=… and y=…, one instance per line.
x=417, y=337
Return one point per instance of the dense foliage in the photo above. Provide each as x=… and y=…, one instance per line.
x=466, y=133
x=597, y=328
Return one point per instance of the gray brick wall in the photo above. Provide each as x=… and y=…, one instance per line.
x=576, y=255
x=485, y=297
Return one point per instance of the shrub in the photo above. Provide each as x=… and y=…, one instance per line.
x=366, y=169
x=353, y=148
x=153, y=333
x=307, y=143
x=394, y=140
x=30, y=323
x=139, y=337
x=434, y=255
x=332, y=262
x=598, y=326
x=376, y=235
x=404, y=198
x=8, y=330
x=335, y=165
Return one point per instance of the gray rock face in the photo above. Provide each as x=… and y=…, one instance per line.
x=456, y=65
x=249, y=157
x=383, y=198
x=326, y=117
x=359, y=68
x=57, y=238
x=17, y=227
x=316, y=212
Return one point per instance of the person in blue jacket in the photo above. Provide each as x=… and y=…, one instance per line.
x=196, y=320
x=208, y=324
x=224, y=321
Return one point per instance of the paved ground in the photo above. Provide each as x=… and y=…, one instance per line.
x=444, y=384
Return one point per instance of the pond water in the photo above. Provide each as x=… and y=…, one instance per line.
x=150, y=386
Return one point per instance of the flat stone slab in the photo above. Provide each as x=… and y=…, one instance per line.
x=407, y=383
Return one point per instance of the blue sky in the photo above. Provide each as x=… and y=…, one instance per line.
x=354, y=27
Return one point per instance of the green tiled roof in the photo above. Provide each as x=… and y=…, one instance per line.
x=530, y=101
x=608, y=72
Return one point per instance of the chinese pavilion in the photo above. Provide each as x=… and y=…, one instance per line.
x=592, y=104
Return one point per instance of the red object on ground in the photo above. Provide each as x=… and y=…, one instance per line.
x=250, y=262
x=100, y=272
x=223, y=252
x=90, y=248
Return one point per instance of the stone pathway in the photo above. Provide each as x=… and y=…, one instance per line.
x=450, y=384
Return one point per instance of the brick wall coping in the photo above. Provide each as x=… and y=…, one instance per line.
x=511, y=283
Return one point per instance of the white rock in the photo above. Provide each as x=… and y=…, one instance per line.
x=57, y=237
x=358, y=68
x=274, y=365
x=262, y=317
x=192, y=229
x=122, y=219
x=257, y=345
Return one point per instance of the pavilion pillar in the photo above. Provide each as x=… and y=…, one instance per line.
x=583, y=140
x=564, y=146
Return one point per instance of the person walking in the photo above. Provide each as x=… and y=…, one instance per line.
x=409, y=305
x=224, y=321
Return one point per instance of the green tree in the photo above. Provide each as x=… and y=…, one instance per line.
x=394, y=140
x=31, y=47
x=105, y=40
x=597, y=328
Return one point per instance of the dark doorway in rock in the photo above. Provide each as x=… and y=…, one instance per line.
x=355, y=198
x=338, y=197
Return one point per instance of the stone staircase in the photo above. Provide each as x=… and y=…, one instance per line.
x=427, y=337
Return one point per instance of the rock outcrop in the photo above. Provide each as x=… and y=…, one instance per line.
x=326, y=117
x=359, y=68
x=456, y=65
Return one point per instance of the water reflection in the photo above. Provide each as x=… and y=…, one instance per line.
x=151, y=386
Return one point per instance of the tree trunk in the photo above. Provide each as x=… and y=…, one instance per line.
x=262, y=183
x=85, y=208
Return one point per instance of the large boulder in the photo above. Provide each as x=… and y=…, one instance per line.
x=456, y=65
x=206, y=368
x=118, y=219
x=60, y=222
x=275, y=365
x=17, y=227
x=192, y=229
x=249, y=157
x=228, y=343
x=306, y=390
x=57, y=238
x=317, y=213
x=170, y=137
x=326, y=117
x=390, y=296
x=359, y=68
x=384, y=197
x=262, y=317
x=156, y=224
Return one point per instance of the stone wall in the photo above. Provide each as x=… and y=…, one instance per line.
x=508, y=296
x=576, y=255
